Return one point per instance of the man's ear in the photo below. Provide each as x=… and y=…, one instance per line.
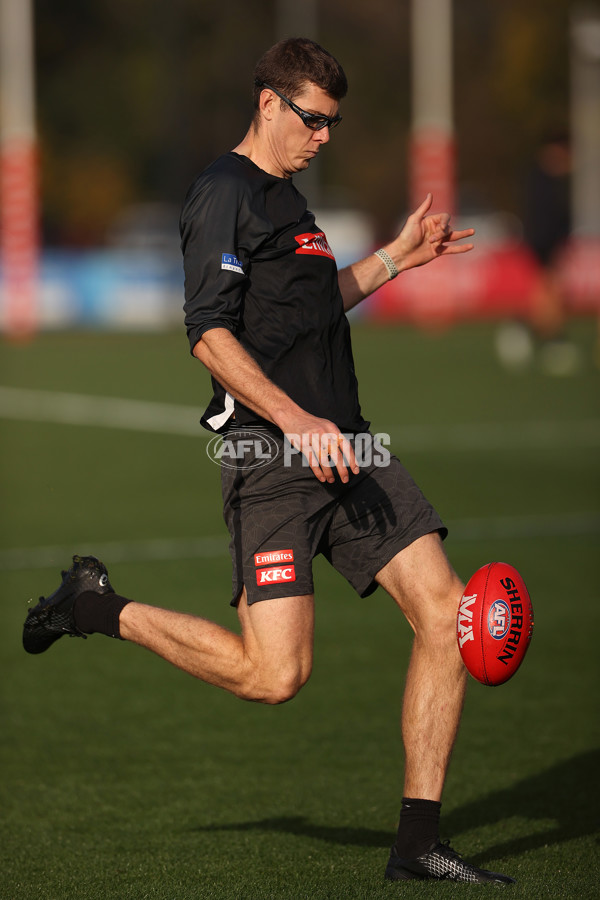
x=266, y=104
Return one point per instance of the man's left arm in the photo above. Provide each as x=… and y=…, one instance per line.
x=422, y=239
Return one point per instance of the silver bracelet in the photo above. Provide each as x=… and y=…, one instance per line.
x=388, y=262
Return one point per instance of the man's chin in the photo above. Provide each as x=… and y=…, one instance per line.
x=302, y=164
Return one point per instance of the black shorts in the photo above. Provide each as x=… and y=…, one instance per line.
x=280, y=517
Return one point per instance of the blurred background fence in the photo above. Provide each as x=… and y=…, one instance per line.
x=110, y=108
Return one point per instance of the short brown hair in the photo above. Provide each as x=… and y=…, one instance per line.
x=294, y=62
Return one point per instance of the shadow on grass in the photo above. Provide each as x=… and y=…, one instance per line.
x=565, y=794
x=300, y=826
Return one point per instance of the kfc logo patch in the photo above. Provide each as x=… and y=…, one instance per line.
x=275, y=575
x=314, y=244
x=273, y=556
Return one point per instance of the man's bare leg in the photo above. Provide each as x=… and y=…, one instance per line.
x=427, y=590
x=269, y=662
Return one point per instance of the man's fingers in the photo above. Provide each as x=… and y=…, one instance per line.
x=314, y=464
x=327, y=472
x=459, y=235
x=456, y=248
x=332, y=455
x=322, y=457
x=447, y=235
x=348, y=451
x=328, y=452
x=421, y=210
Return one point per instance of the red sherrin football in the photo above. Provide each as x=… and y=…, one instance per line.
x=495, y=623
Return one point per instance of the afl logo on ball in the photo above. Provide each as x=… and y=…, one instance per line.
x=499, y=619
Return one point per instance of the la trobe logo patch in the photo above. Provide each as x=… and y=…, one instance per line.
x=231, y=263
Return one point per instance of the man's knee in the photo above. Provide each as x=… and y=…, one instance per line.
x=284, y=689
x=439, y=616
x=277, y=687
x=278, y=648
x=435, y=632
x=441, y=633
x=432, y=612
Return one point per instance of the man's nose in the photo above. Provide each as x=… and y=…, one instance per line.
x=322, y=135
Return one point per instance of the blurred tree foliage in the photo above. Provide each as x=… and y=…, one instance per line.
x=136, y=96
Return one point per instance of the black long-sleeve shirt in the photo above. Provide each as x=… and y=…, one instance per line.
x=257, y=264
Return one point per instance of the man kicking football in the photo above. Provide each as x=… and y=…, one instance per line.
x=265, y=313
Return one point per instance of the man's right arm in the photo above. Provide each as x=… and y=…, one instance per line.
x=240, y=375
x=423, y=238
x=214, y=286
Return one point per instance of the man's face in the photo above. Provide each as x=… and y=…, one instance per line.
x=291, y=143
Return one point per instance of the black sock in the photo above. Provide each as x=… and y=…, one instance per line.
x=99, y=613
x=419, y=827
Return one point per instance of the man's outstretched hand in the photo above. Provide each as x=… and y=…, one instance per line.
x=424, y=238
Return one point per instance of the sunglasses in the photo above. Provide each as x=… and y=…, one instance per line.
x=314, y=121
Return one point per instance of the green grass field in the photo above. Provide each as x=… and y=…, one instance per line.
x=121, y=777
